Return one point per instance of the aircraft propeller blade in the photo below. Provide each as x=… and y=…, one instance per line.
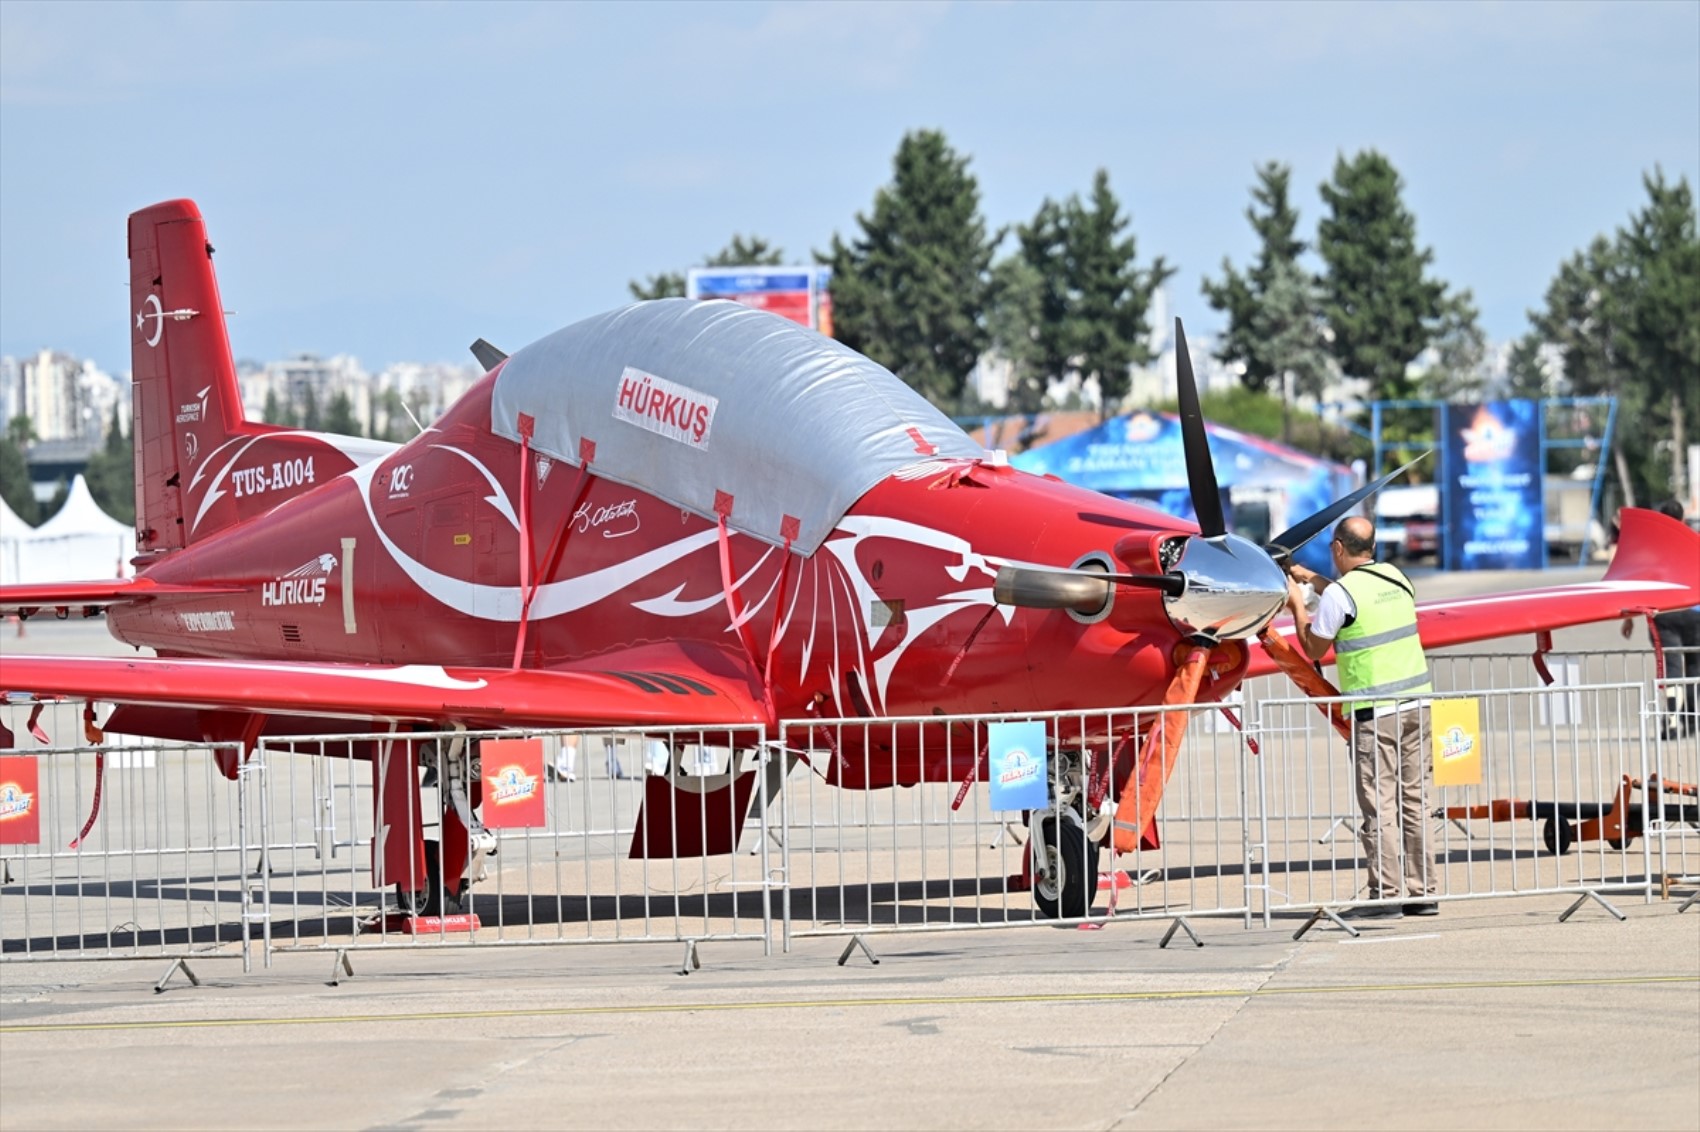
x=1284, y=545
x=1195, y=442
x=488, y=356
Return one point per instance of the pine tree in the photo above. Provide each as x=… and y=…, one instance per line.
x=1381, y=308
x=1094, y=298
x=911, y=290
x=1526, y=368
x=1621, y=314
x=1289, y=337
x=1012, y=320
x=339, y=416
x=111, y=473
x=15, y=486
x=1459, y=372
x=1242, y=296
x=1661, y=251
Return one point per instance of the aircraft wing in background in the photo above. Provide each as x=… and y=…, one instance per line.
x=1656, y=567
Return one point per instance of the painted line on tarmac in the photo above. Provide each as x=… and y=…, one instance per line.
x=846, y=1003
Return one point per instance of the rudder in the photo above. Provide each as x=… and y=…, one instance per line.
x=184, y=395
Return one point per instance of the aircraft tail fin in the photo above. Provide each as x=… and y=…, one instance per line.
x=184, y=394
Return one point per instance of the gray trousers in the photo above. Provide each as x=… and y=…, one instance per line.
x=1392, y=756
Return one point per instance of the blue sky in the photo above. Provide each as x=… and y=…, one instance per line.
x=395, y=180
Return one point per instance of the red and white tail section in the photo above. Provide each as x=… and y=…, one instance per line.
x=186, y=400
x=200, y=465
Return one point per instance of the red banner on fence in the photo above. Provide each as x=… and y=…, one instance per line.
x=20, y=802
x=513, y=783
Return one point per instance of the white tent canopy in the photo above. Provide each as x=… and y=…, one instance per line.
x=14, y=533
x=80, y=543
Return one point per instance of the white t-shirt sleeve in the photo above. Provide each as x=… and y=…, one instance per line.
x=1332, y=610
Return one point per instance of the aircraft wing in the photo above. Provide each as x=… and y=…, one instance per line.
x=1656, y=567
x=88, y=596
x=650, y=685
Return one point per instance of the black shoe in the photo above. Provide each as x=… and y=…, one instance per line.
x=1373, y=912
x=1423, y=908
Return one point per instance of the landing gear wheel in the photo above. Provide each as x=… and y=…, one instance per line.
x=1065, y=889
x=1558, y=836
x=433, y=901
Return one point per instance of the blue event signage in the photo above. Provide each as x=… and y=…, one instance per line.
x=1017, y=756
x=1493, y=503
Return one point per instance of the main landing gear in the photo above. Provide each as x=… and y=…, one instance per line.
x=453, y=864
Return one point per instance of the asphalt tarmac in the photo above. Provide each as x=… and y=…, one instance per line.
x=1492, y=1015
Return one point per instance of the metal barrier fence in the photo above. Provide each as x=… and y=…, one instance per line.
x=685, y=835
x=938, y=855
x=126, y=852
x=1674, y=725
x=574, y=870
x=1553, y=792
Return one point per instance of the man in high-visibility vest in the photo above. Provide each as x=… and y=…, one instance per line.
x=1369, y=618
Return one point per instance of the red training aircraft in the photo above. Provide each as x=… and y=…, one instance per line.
x=677, y=513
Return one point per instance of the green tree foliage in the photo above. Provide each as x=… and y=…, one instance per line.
x=1290, y=339
x=1459, y=372
x=111, y=473
x=1264, y=414
x=909, y=292
x=20, y=430
x=389, y=418
x=339, y=417
x=310, y=418
x=1243, y=297
x=15, y=482
x=278, y=412
x=1526, y=368
x=1094, y=298
x=1661, y=251
x=1380, y=307
x=1622, y=315
x=61, y=492
x=753, y=252
x=1012, y=319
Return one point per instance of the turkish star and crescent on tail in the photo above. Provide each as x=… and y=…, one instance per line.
x=678, y=512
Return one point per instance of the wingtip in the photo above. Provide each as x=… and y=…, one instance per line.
x=1656, y=548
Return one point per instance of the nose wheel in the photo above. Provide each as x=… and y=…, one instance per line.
x=1065, y=869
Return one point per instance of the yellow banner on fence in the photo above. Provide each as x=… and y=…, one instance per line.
x=1457, y=742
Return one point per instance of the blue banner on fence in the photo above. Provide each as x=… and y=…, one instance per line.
x=1017, y=757
x=1493, y=506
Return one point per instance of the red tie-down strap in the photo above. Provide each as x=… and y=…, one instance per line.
x=735, y=605
x=558, y=545
x=94, y=807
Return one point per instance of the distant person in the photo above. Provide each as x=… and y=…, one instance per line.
x=1369, y=618
x=565, y=766
x=1679, y=639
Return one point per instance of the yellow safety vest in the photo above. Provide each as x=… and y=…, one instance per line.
x=1379, y=653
